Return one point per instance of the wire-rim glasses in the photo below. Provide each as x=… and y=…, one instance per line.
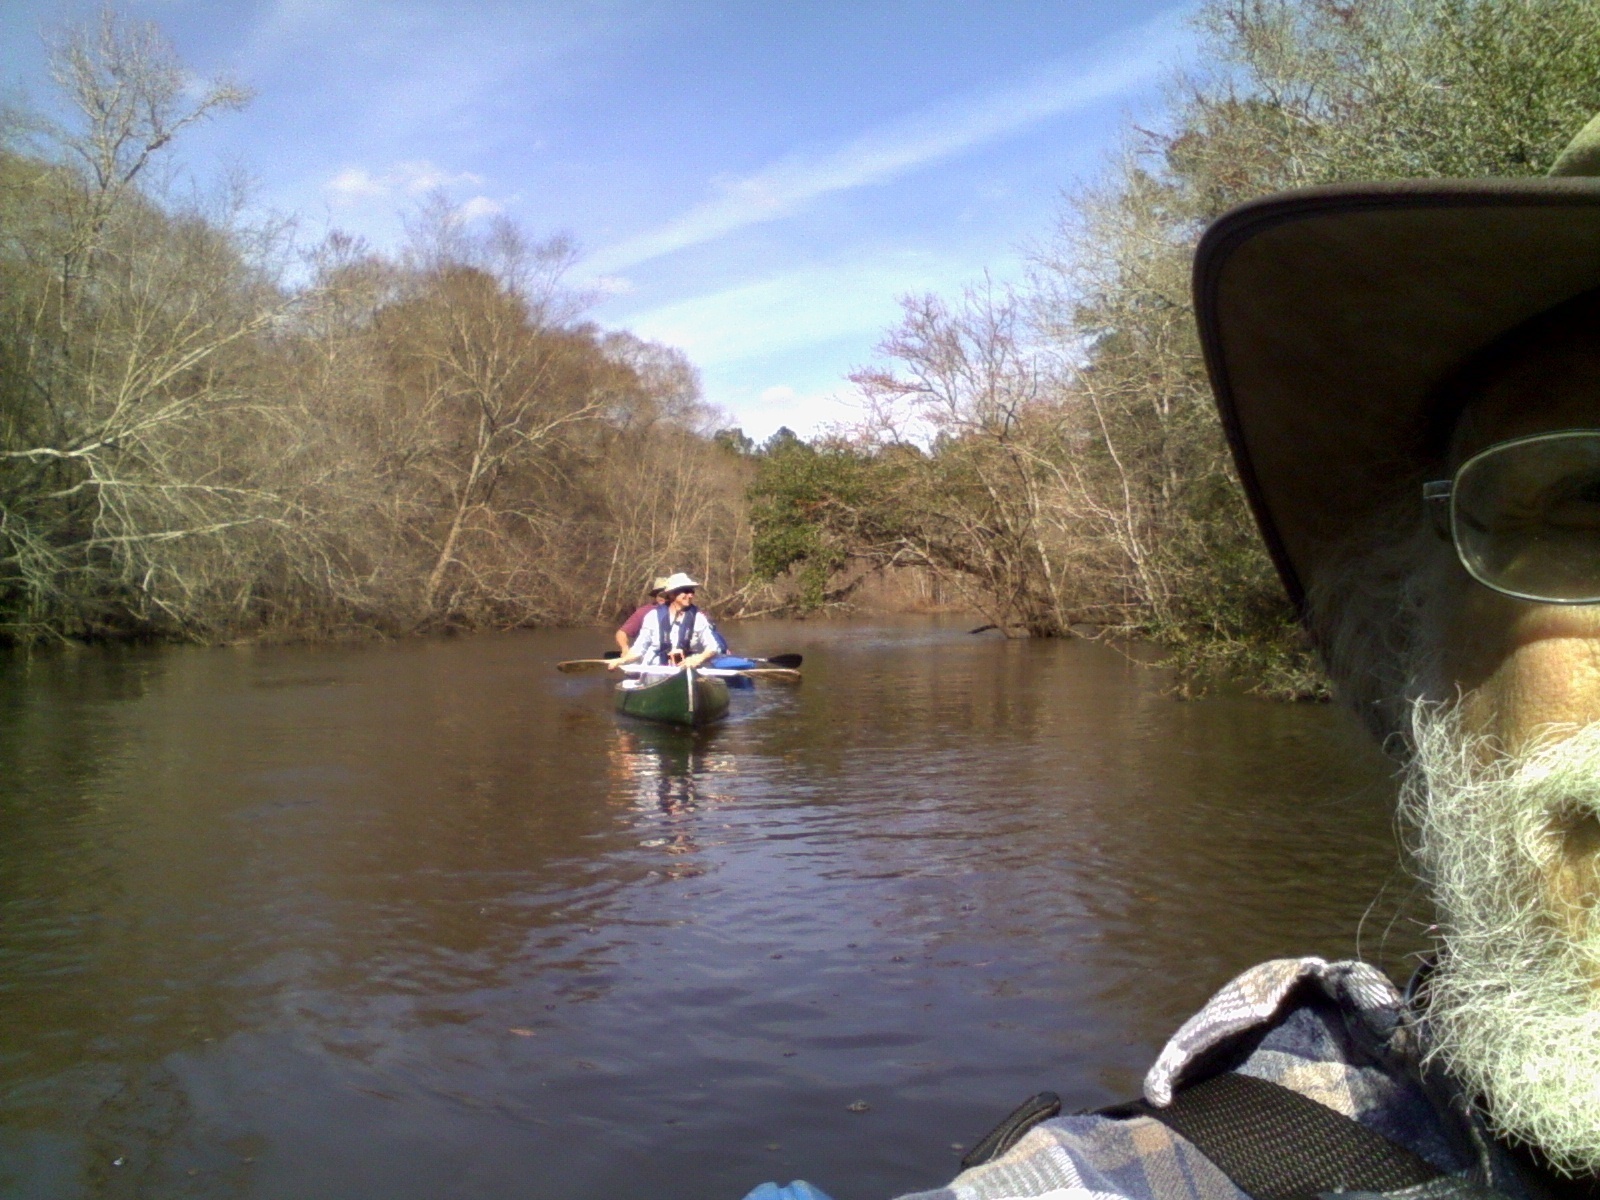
x=1524, y=515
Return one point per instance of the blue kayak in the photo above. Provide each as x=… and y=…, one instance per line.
x=732, y=662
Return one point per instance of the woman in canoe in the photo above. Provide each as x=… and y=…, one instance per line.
x=676, y=633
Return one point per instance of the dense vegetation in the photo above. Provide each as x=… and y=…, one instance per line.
x=206, y=433
x=1052, y=447
x=192, y=445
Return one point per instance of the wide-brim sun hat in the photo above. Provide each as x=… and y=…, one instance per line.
x=659, y=584
x=1330, y=317
x=677, y=583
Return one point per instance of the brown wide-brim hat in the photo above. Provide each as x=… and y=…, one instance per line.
x=1331, y=316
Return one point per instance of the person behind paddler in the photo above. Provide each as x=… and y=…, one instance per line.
x=629, y=629
x=675, y=633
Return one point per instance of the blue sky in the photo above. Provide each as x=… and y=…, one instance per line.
x=756, y=183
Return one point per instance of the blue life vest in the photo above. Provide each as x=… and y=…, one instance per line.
x=685, y=632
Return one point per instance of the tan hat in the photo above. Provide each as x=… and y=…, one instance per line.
x=677, y=583
x=658, y=584
x=1330, y=318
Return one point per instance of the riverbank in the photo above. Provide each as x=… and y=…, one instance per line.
x=1190, y=675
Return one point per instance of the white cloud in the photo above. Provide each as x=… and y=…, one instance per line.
x=479, y=206
x=767, y=317
x=788, y=185
x=775, y=351
x=807, y=412
x=354, y=184
x=855, y=299
x=612, y=285
x=420, y=177
x=357, y=185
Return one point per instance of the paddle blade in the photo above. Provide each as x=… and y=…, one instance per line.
x=573, y=665
x=784, y=660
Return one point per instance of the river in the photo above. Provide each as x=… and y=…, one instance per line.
x=426, y=919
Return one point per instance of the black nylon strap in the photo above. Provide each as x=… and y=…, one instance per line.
x=1276, y=1144
x=1010, y=1131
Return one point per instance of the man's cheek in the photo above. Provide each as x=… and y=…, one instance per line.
x=1546, y=679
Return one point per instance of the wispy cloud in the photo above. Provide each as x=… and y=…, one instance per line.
x=353, y=185
x=788, y=185
x=779, y=314
x=854, y=300
x=479, y=206
x=806, y=411
x=356, y=187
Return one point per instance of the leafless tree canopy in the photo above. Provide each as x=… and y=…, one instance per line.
x=406, y=441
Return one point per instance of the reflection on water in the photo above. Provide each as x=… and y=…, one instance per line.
x=429, y=919
x=667, y=776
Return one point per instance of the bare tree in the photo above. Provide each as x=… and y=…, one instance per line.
x=132, y=97
x=121, y=321
x=480, y=354
x=969, y=385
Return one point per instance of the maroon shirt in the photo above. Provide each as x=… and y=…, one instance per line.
x=635, y=623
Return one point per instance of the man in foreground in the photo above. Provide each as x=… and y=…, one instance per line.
x=1409, y=375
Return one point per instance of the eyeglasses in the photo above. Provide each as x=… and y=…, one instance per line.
x=1525, y=516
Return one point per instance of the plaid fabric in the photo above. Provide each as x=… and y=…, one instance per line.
x=1337, y=1032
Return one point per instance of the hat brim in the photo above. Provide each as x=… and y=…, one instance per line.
x=1330, y=316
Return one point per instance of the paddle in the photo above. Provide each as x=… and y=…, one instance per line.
x=574, y=665
x=787, y=674
x=782, y=660
x=777, y=660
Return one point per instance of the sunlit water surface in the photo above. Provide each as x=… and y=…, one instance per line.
x=428, y=920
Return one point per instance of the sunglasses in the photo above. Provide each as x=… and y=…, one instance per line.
x=1525, y=516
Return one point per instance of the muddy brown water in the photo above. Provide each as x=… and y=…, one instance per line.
x=429, y=920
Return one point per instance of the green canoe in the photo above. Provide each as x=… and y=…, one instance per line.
x=682, y=698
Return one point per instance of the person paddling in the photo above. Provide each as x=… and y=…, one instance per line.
x=629, y=630
x=678, y=633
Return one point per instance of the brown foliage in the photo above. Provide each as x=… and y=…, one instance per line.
x=412, y=441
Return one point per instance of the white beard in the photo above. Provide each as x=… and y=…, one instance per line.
x=1515, y=1003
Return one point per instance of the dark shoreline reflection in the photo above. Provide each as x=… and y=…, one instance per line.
x=427, y=918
